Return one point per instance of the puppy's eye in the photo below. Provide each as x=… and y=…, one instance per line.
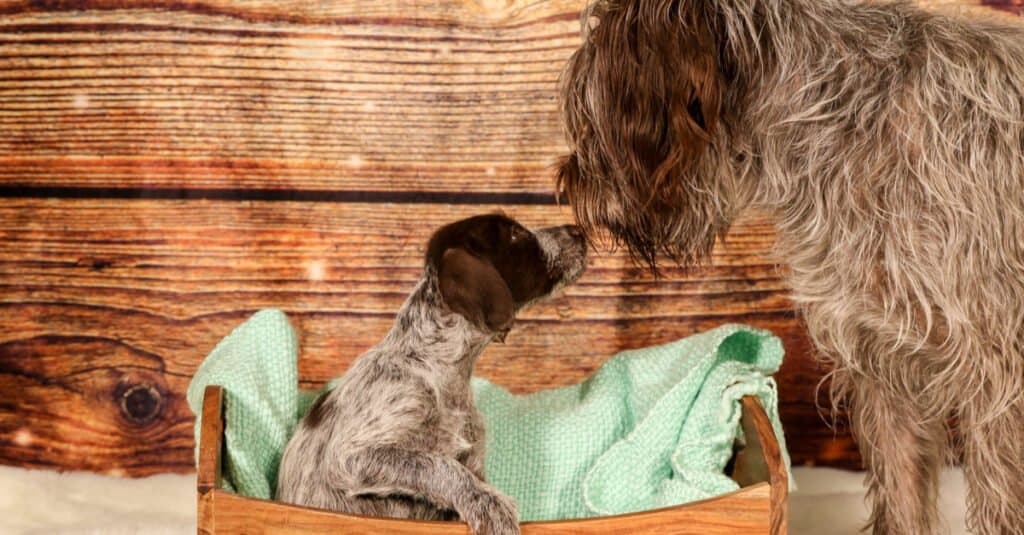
x=517, y=234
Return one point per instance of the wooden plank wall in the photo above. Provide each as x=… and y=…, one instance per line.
x=169, y=167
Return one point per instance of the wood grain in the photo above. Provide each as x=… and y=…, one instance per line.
x=350, y=108
x=759, y=508
x=383, y=95
x=421, y=95
x=96, y=294
x=758, y=430
x=209, y=465
x=744, y=512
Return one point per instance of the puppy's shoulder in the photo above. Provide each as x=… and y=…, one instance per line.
x=376, y=383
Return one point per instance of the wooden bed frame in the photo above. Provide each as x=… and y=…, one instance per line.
x=759, y=507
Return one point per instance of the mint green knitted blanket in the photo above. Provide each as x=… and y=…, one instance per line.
x=653, y=427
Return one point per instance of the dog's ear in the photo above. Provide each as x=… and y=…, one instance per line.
x=642, y=105
x=473, y=288
x=642, y=97
x=696, y=101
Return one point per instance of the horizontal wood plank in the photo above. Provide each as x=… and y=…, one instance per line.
x=105, y=300
x=383, y=95
x=743, y=512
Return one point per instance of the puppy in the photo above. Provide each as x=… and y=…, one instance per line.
x=888, y=142
x=399, y=436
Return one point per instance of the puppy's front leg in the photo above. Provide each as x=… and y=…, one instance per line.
x=443, y=481
x=475, y=461
x=475, y=457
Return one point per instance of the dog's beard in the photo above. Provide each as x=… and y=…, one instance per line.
x=652, y=236
x=675, y=223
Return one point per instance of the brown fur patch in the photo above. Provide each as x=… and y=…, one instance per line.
x=316, y=412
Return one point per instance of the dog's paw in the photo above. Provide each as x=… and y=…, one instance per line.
x=492, y=513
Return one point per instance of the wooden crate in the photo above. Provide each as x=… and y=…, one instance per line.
x=759, y=507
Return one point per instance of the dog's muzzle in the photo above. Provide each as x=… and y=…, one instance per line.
x=566, y=250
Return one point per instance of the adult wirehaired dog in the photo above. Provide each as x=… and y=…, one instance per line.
x=399, y=435
x=888, y=142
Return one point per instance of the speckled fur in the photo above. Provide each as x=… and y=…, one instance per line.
x=400, y=436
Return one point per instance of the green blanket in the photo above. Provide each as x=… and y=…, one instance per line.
x=653, y=427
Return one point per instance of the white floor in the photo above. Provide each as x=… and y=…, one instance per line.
x=41, y=502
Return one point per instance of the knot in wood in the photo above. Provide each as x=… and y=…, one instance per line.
x=140, y=404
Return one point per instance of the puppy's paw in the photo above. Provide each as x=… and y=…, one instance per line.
x=492, y=513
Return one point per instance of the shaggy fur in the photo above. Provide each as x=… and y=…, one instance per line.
x=889, y=143
x=399, y=436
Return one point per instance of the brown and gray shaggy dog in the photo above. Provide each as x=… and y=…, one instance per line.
x=889, y=144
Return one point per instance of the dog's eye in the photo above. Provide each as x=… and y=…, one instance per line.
x=517, y=234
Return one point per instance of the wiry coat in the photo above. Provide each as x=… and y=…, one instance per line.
x=399, y=435
x=889, y=144
x=408, y=395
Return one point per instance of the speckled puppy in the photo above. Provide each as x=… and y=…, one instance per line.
x=399, y=436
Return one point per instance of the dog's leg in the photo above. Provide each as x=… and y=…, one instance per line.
x=475, y=457
x=994, y=467
x=441, y=480
x=903, y=456
x=475, y=461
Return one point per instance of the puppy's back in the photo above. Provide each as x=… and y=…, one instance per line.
x=373, y=403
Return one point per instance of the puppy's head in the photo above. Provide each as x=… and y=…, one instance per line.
x=641, y=101
x=489, y=266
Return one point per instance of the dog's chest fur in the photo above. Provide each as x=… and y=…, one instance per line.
x=458, y=427
x=452, y=426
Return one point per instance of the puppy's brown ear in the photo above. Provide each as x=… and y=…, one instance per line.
x=473, y=288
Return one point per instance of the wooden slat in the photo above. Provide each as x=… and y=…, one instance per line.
x=100, y=298
x=209, y=464
x=758, y=429
x=362, y=95
x=744, y=512
x=355, y=95
x=211, y=441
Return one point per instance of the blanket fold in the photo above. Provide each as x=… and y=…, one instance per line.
x=653, y=427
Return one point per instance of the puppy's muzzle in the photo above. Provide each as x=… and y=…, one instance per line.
x=566, y=250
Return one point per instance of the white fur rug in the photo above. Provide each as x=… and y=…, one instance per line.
x=42, y=502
